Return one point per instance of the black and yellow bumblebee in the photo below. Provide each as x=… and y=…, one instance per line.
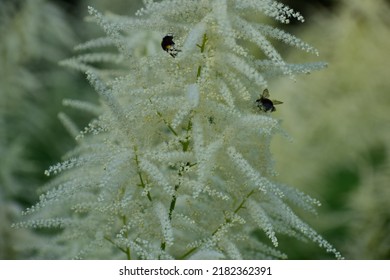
x=265, y=104
x=168, y=45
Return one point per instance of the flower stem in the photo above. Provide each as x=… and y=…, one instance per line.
x=241, y=206
x=202, y=48
x=140, y=174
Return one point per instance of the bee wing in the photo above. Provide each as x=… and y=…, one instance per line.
x=276, y=102
x=265, y=93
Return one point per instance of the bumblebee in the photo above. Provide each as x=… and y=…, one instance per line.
x=168, y=45
x=265, y=104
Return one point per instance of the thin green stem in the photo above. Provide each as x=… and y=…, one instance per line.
x=142, y=183
x=243, y=201
x=126, y=251
x=167, y=124
x=240, y=206
x=173, y=203
x=189, y=252
x=203, y=45
x=186, y=143
x=202, y=48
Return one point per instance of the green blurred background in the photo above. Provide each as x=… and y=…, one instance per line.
x=338, y=117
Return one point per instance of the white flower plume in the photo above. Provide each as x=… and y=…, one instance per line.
x=177, y=164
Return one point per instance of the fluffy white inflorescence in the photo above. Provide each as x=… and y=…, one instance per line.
x=177, y=165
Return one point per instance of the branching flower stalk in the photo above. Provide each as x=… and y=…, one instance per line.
x=178, y=165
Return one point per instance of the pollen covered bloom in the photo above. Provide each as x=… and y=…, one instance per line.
x=177, y=162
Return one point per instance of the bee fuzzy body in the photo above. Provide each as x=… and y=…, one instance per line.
x=168, y=45
x=265, y=104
